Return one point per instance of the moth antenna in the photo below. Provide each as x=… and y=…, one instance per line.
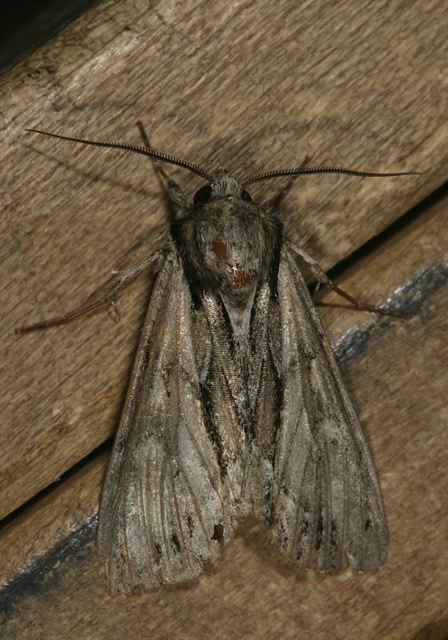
x=144, y=151
x=278, y=173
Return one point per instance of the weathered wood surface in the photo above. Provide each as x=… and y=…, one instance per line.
x=26, y=25
x=397, y=377
x=251, y=85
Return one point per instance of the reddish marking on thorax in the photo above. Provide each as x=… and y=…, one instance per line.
x=220, y=249
x=243, y=278
x=240, y=278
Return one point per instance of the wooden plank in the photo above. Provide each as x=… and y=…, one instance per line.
x=397, y=377
x=25, y=27
x=39, y=528
x=254, y=85
x=414, y=249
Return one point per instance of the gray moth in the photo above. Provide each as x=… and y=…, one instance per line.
x=235, y=405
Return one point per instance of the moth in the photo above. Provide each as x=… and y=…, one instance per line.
x=235, y=404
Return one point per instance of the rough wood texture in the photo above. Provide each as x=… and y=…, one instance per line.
x=410, y=251
x=251, y=85
x=45, y=524
x=397, y=378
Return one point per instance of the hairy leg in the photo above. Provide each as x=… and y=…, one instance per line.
x=323, y=279
x=173, y=193
x=106, y=294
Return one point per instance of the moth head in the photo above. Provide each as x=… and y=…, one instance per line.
x=223, y=185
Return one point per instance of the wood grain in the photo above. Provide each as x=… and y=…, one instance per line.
x=252, y=85
x=397, y=378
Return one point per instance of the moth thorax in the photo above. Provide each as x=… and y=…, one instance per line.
x=232, y=254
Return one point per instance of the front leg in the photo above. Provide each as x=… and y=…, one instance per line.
x=173, y=194
x=106, y=294
x=323, y=279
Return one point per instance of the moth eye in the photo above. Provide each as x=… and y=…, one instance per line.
x=245, y=195
x=203, y=194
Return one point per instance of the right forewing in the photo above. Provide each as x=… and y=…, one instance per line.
x=326, y=508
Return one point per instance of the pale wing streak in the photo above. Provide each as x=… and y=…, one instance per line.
x=325, y=474
x=352, y=523
x=163, y=523
x=205, y=462
x=134, y=390
x=176, y=331
x=226, y=365
x=359, y=497
x=315, y=377
x=188, y=373
x=339, y=401
x=143, y=501
x=179, y=324
x=166, y=339
x=285, y=465
x=127, y=562
x=310, y=466
x=197, y=509
x=179, y=521
x=179, y=457
x=207, y=468
x=294, y=370
x=300, y=515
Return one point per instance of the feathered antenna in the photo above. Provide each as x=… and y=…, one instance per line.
x=144, y=151
x=278, y=173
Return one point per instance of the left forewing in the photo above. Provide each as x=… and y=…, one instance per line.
x=326, y=507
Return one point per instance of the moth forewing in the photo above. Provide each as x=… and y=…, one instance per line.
x=162, y=496
x=328, y=510
x=235, y=403
x=236, y=406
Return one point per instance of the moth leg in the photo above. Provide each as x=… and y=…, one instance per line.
x=174, y=194
x=106, y=294
x=323, y=279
